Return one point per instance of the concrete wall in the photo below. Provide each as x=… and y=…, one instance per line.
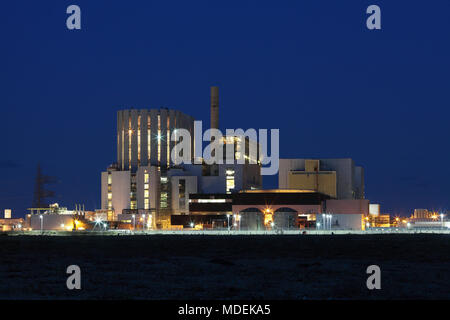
x=51, y=221
x=349, y=179
x=190, y=187
x=121, y=185
x=245, y=177
x=342, y=221
x=347, y=206
x=154, y=180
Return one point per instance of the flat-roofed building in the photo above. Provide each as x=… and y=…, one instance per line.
x=338, y=178
x=278, y=208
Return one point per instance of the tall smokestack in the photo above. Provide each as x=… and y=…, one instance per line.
x=214, y=107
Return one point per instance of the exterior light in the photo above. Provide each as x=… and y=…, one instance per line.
x=98, y=220
x=41, y=217
x=408, y=224
x=318, y=224
x=192, y=224
x=272, y=224
x=130, y=132
x=62, y=225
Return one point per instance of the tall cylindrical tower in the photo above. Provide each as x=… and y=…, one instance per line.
x=214, y=107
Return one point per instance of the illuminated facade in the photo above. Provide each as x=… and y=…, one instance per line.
x=138, y=183
x=143, y=136
x=279, y=208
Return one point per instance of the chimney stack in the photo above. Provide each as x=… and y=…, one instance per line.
x=214, y=107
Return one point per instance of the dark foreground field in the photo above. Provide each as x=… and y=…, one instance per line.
x=218, y=267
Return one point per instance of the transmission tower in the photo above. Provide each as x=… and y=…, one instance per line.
x=40, y=192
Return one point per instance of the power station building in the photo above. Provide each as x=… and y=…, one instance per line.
x=145, y=185
x=145, y=181
x=143, y=136
x=286, y=209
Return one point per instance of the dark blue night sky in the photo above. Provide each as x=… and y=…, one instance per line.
x=310, y=68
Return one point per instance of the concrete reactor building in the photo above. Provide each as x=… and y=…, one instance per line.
x=145, y=182
x=338, y=178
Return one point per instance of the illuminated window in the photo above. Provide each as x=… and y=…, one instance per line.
x=109, y=196
x=139, y=140
x=149, y=140
x=145, y=193
x=230, y=180
x=146, y=178
x=130, y=134
x=159, y=139
x=146, y=204
x=168, y=141
x=163, y=199
x=211, y=200
x=146, y=186
x=182, y=194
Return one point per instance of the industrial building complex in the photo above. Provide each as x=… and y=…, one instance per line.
x=144, y=189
